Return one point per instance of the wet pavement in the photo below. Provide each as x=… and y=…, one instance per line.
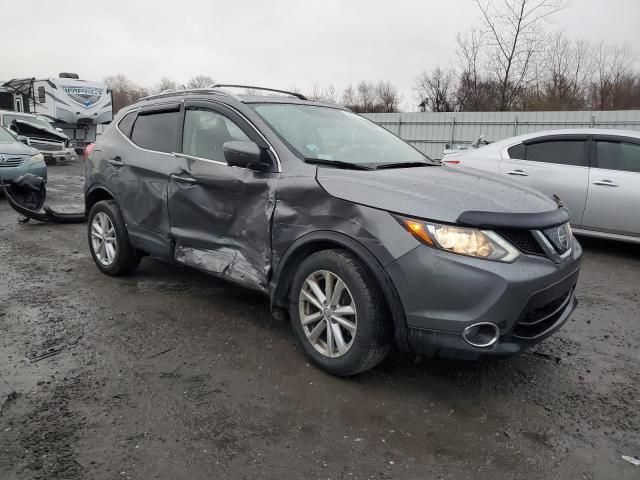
x=173, y=374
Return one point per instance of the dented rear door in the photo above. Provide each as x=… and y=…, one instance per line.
x=220, y=216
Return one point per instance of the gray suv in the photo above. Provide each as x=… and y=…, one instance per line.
x=355, y=235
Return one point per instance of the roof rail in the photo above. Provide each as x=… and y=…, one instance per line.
x=187, y=91
x=250, y=87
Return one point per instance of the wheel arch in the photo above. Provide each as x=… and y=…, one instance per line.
x=95, y=194
x=310, y=243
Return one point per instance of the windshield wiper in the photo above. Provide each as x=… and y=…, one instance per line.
x=336, y=163
x=382, y=166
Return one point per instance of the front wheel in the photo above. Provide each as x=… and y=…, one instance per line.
x=338, y=313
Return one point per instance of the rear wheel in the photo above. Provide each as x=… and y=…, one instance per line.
x=109, y=240
x=338, y=314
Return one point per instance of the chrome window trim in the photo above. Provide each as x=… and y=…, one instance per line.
x=175, y=154
x=201, y=159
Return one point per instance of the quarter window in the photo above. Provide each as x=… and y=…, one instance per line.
x=563, y=152
x=622, y=156
x=42, y=98
x=205, y=133
x=517, y=151
x=157, y=131
x=126, y=124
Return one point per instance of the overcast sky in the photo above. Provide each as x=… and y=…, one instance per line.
x=277, y=43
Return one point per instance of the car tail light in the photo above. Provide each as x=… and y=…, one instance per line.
x=452, y=162
x=88, y=149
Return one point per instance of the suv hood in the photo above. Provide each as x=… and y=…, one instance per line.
x=435, y=193
x=29, y=129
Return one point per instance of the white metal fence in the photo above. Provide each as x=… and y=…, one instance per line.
x=431, y=132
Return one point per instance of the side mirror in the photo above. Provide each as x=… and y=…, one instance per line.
x=23, y=139
x=247, y=155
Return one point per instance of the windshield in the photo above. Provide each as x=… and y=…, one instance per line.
x=6, y=137
x=337, y=135
x=34, y=120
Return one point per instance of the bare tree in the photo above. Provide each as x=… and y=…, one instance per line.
x=366, y=96
x=165, y=84
x=565, y=75
x=349, y=97
x=329, y=93
x=123, y=91
x=388, y=97
x=514, y=38
x=200, y=81
x=474, y=91
x=436, y=91
x=612, y=73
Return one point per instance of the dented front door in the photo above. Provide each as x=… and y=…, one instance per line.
x=220, y=216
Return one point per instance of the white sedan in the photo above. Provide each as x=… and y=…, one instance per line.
x=595, y=172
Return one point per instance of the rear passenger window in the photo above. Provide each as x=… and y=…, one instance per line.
x=563, y=152
x=517, y=151
x=157, y=131
x=205, y=133
x=126, y=124
x=621, y=156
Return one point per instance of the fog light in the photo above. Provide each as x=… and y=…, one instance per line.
x=481, y=335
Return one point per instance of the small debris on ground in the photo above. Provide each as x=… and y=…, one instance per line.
x=634, y=460
x=36, y=356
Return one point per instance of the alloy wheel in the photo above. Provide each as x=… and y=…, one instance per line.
x=328, y=313
x=103, y=239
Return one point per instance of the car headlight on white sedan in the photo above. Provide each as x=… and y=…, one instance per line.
x=471, y=242
x=37, y=158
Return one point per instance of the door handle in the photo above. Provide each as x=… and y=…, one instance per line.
x=180, y=179
x=115, y=162
x=606, y=183
x=517, y=172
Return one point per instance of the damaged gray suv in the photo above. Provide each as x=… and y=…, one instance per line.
x=355, y=235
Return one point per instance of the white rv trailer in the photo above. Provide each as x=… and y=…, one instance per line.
x=75, y=106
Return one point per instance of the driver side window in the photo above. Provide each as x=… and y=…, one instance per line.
x=205, y=133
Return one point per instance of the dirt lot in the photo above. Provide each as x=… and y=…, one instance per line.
x=172, y=374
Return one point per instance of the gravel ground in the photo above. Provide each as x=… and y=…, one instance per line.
x=172, y=374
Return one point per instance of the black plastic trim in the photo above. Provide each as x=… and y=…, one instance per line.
x=526, y=221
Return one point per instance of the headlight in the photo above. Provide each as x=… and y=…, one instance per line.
x=464, y=241
x=36, y=158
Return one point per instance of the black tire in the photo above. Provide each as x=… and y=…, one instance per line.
x=373, y=335
x=127, y=257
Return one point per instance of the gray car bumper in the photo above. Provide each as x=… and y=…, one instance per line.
x=443, y=293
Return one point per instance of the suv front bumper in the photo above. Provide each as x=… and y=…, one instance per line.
x=444, y=293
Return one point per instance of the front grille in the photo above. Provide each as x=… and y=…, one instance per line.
x=11, y=162
x=536, y=321
x=523, y=240
x=46, y=146
x=559, y=237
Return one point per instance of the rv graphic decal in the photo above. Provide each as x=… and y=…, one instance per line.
x=85, y=96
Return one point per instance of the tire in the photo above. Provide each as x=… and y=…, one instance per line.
x=126, y=258
x=371, y=340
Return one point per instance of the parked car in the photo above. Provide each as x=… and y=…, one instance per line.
x=54, y=145
x=357, y=236
x=595, y=172
x=17, y=159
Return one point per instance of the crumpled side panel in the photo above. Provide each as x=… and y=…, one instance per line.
x=223, y=261
x=222, y=223
x=304, y=207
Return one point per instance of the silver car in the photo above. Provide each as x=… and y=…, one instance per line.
x=595, y=172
